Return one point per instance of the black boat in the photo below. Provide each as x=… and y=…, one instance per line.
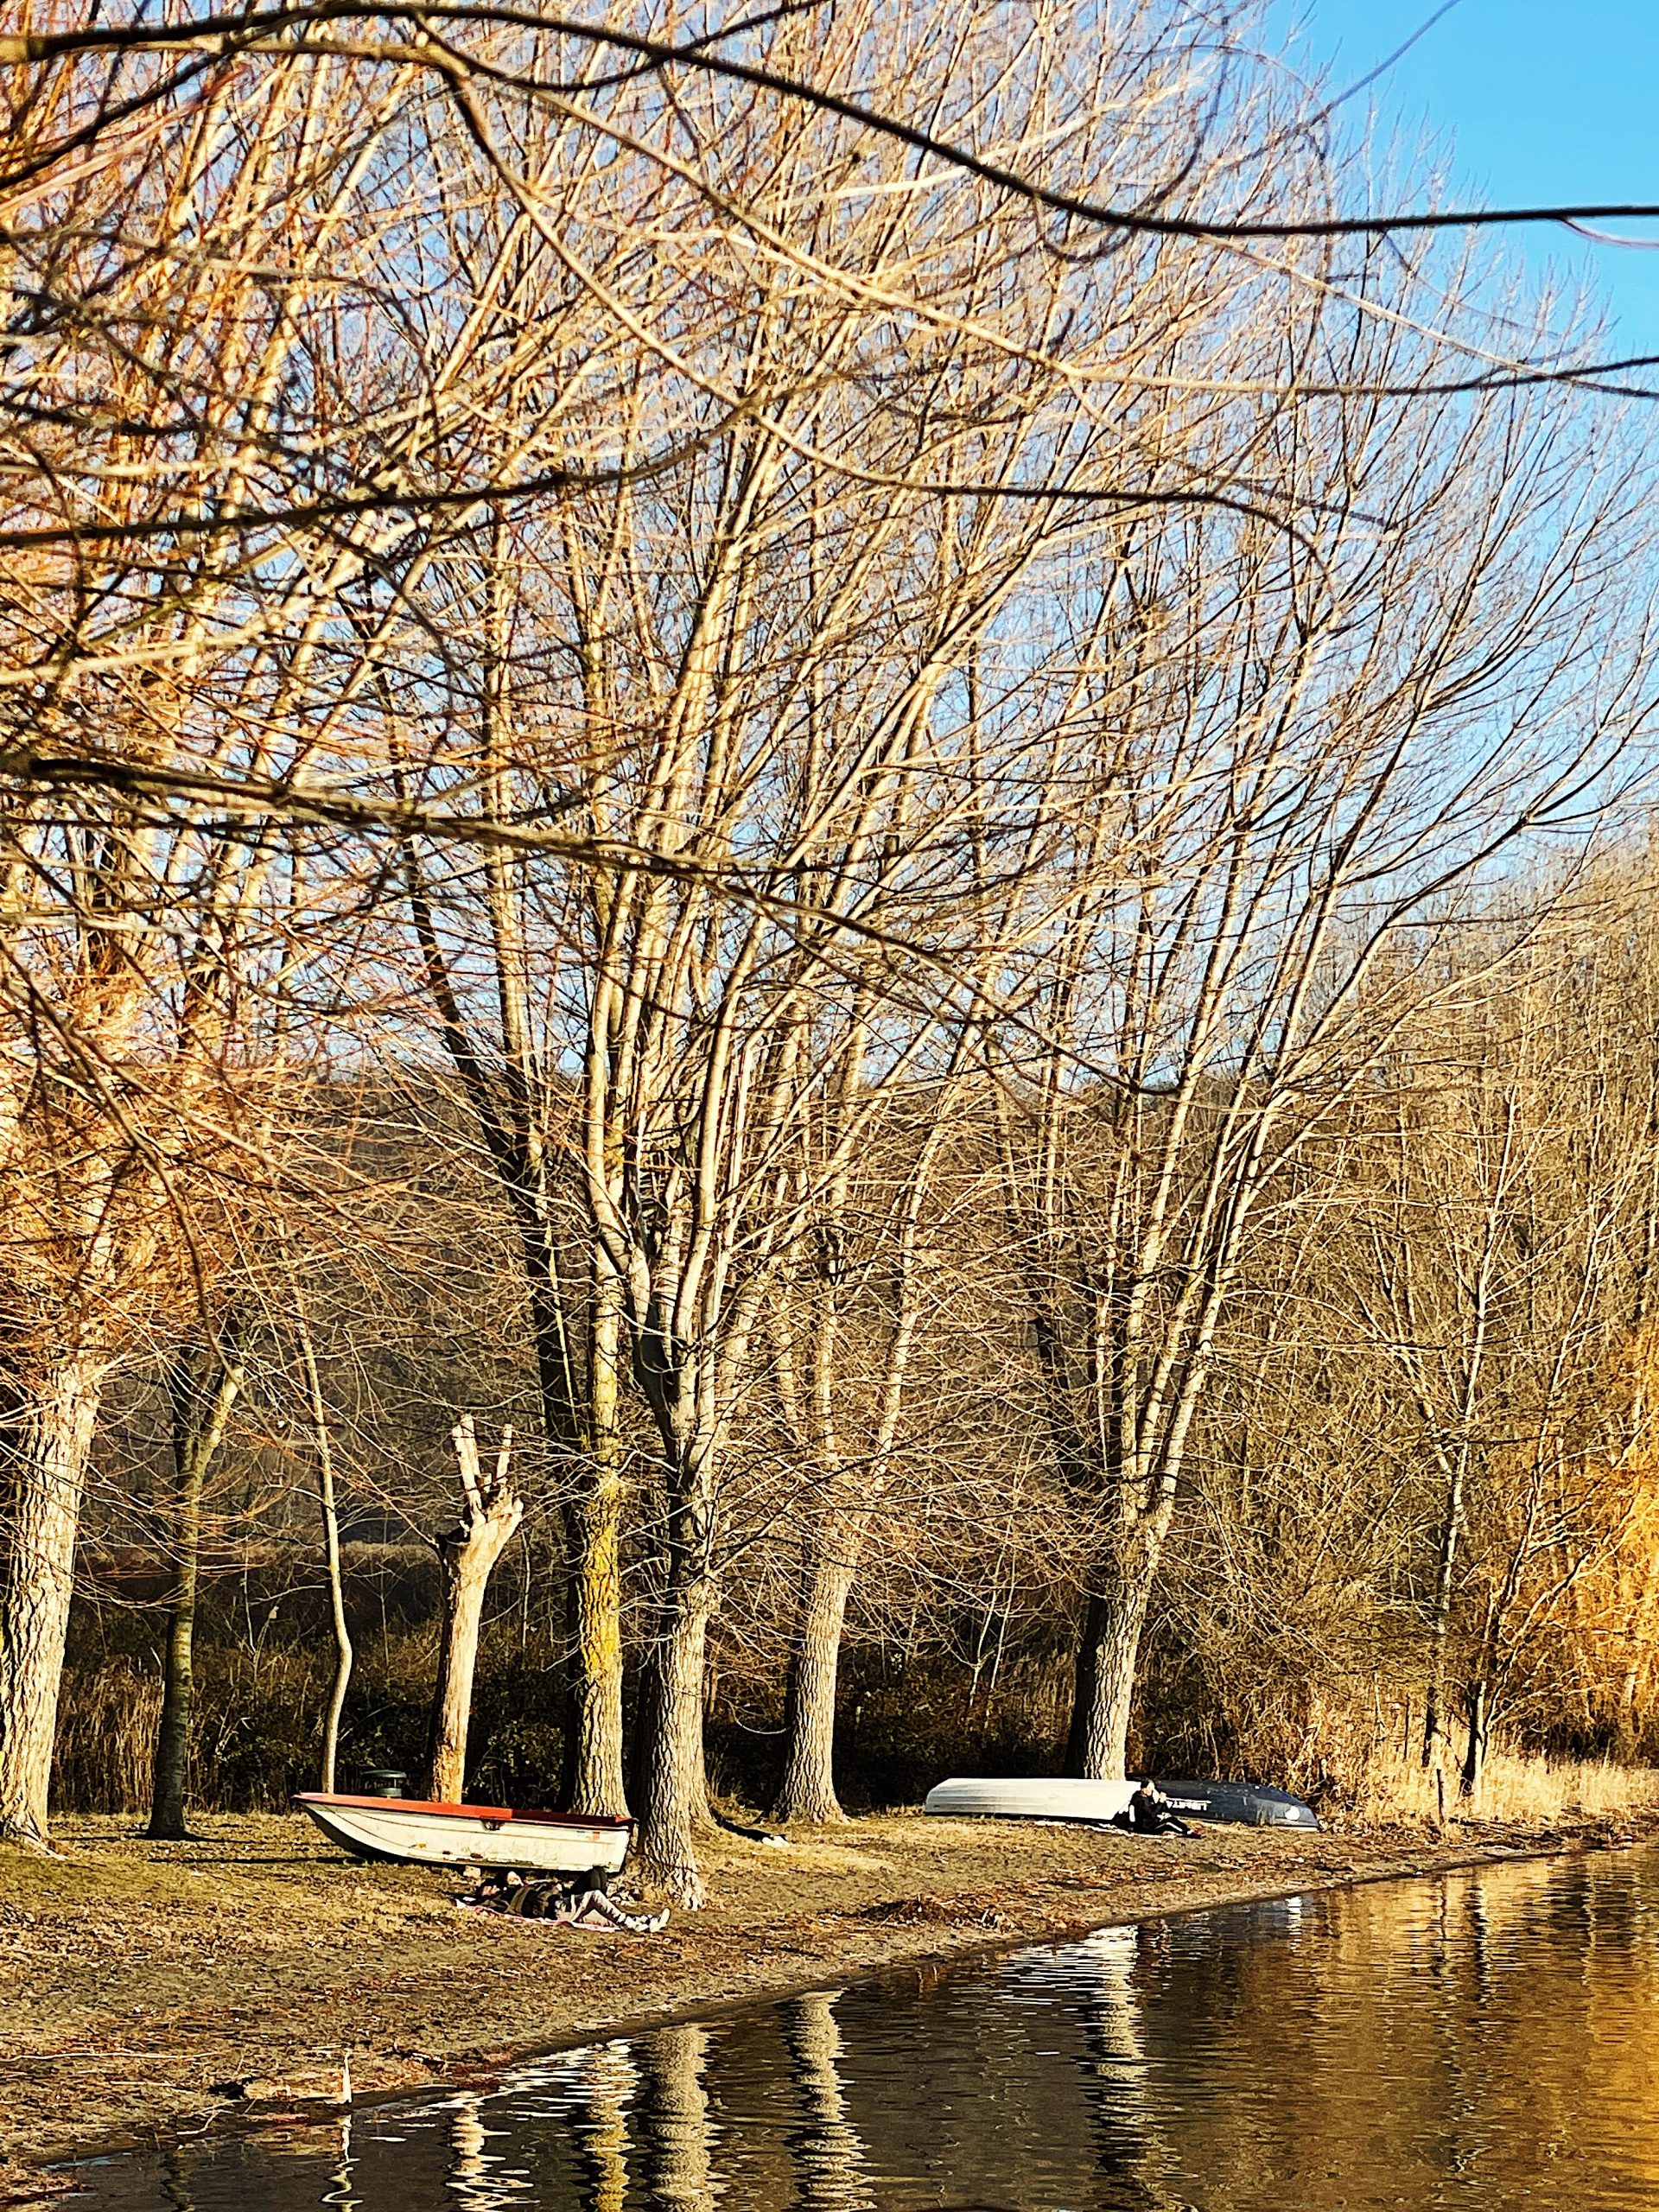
x=1252, y=1803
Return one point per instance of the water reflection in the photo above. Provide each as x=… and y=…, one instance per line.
x=831, y=2169
x=480, y=2179
x=607, y=2081
x=1129, y=2158
x=1479, y=2042
x=342, y=2195
x=674, y=2132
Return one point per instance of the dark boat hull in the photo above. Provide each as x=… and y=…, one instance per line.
x=1248, y=1803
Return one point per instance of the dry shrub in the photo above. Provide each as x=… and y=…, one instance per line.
x=256, y=1724
x=107, y=1719
x=1213, y=1700
x=1532, y=1790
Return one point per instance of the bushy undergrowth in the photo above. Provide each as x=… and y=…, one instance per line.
x=1532, y=1789
x=264, y=1659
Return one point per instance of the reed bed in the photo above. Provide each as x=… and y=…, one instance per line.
x=1525, y=1788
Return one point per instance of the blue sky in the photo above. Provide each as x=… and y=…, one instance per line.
x=1537, y=100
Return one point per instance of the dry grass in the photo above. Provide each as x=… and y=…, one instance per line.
x=1535, y=1791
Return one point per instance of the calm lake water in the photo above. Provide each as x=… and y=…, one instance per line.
x=1484, y=2040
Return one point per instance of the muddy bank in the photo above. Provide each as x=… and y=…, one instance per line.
x=145, y=1987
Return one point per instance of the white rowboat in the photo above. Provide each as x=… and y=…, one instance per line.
x=470, y=1835
x=1042, y=1797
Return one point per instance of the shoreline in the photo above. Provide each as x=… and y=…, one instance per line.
x=156, y=1989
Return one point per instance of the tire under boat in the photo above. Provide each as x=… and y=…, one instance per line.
x=414, y=1830
x=1054, y=1797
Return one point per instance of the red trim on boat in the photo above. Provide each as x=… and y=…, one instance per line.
x=463, y=1812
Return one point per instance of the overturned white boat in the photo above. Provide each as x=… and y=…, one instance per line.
x=1039, y=1797
x=1054, y=1797
x=414, y=1829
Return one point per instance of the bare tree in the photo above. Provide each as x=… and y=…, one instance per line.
x=1264, y=783
x=679, y=578
x=490, y=1516
x=842, y=1329
x=204, y=1381
x=1501, y=1214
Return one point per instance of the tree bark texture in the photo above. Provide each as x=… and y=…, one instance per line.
x=491, y=1514
x=807, y=1791
x=46, y=1443
x=325, y=1450
x=1107, y=1652
x=593, y=1781
x=670, y=1792
x=1474, y=1758
x=671, y=1796
x=202, y=1403
x=1439, y=1621
x=593, y=1764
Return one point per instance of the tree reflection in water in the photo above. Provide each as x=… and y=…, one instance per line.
x=175, y=2179
x=607, y=2083
x=342, y=2195
x=674, y=2134
x=479, y=2177
x=829, y=2159
x=1130, y=2156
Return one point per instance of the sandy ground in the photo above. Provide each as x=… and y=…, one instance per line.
x=149, y=1987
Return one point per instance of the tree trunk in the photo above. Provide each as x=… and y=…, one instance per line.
x=1439, y=1621
x=468, y=1553
x=1474, y=1758
x=808, y=1790
x=45, y=1456
x=1107, y=1652
x=594, y=1778
x=343, y=1652
x=670, y=1790
x=199, y=1424
x=594, y=1771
